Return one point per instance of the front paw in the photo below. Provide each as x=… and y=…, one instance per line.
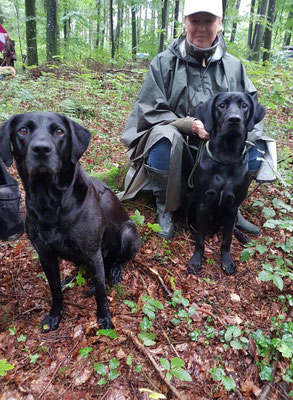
x=194, y=264
x=105, y=323
x=227, y=264
x=50, y=323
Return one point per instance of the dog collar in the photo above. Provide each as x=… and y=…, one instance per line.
x=221, y=162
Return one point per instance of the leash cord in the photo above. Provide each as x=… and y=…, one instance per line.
x=190, y=180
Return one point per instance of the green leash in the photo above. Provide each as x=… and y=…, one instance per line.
x=201, y=145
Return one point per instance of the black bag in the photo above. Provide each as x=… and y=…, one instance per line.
x=10, y=218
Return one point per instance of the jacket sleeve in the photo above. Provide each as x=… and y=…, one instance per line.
x=151, y=106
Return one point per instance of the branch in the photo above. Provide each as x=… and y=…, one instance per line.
x=147, y=353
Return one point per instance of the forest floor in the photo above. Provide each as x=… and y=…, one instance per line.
x=222, y=327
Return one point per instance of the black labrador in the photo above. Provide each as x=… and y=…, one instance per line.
x=69, y=214
x=221, y=176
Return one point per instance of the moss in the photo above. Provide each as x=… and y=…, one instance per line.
x=113, y=177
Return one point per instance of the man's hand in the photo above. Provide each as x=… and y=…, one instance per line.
x=198, y=129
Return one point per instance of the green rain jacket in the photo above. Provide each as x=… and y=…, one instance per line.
x=175, y=84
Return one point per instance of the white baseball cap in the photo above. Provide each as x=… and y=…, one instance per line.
x=214, y=7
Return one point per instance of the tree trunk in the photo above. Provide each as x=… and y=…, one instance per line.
x=234, y=26
x=31, y=32
x=225, y=2
x=163, y=25
x=111, y=28
x=269, y=30
x=250, y=28
x=259, y=30
x=133, y=29
x=176, y=19
x=52, y=29
x=289, y=27
x=1, y=16
x=119, y=24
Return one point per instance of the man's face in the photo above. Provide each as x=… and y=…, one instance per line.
x=202, y=29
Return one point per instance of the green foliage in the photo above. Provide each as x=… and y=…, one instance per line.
x=139, y=219
x=85, y=351
x=109, y=374
x=110, y=333
x=174, y=369
x=4, y=367
x=218, y=374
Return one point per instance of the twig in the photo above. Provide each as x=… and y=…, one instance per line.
x=57, y=369
x=147, y=353
x=158, y=276
x=268, y=387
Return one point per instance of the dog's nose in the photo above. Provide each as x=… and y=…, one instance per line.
x=41, y=147
x=234, y=119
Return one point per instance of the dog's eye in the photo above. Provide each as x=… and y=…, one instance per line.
x=59, y=132
x=23, y=131
x=222, y=105
x=244, y=105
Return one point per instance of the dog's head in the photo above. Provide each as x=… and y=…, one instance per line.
x=42, y=142
x=230, y=111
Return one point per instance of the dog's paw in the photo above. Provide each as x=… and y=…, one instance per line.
x=194, y=264
x=90, y=292
x=105, y=323
x=50, y=323
x=115, y=274
x=227, y=264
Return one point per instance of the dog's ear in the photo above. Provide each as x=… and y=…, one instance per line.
x=80, y=138
x=5, y=142
x=204, y=112
x=257, y=112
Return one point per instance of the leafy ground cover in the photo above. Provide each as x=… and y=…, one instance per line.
x=176, y=336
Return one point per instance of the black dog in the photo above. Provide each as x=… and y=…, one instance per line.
x=69, y=214
x=221, y=176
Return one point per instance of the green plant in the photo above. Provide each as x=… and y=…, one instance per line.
x=85, y=351
x=174, y=368
x=107, y=374
x=5, y=366
x=107, y=332
x=138, y=219
x=218, y=374
x=232, y=336
x=275, y=274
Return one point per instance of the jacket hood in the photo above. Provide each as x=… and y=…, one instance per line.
x=177, y=47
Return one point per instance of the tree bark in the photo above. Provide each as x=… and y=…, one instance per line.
x=111, y=28
x=176, y=19
x=163, y=25
x=234, y=26
x=225, y=2
x=289, y=27
x=269, y=30
x=52, y=29
x=31, y=32
x=259, y=31
x=119, y=24
x=133, y=29
x=250, y=28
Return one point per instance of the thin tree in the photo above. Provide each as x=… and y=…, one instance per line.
x=119, y=23
x=225, y=3
x=112, y=39
x=176, y=19
x=163, y=25
x=289, y=28
x=269, y=30
x=234, y=26
x=133, y=29
x=52, y=29
x=31, y=32
x=259, y=31
x=1, y=15
x=250, y=28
